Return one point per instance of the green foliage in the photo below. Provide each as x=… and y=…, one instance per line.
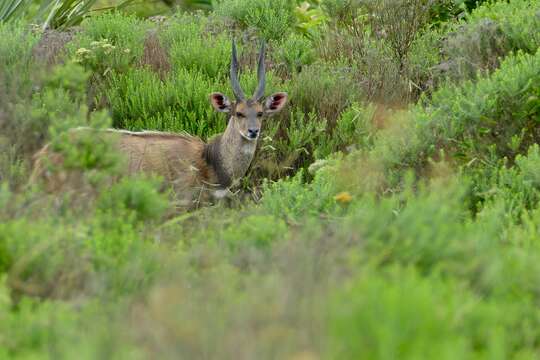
x=309, y=18
x=398, y=22
x=139, y=196
x=15, y=48
x=140, y=100
x=342, y=10
x=514, y=186
x=474, y=122
x=260, y=231
x=65, y=13
x=294, y=53
x=489, y=34
x=496, y=108
x=516, y=21
x=273, y=19
x=192, y=48
x=71, y=77
x=290, y=198
x=323, y=89
x=109, y=42
x=399, y=315
x=196, y=4
x=12, y=9
x=378, y=232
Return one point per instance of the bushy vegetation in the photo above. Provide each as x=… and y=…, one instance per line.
x=392, y=209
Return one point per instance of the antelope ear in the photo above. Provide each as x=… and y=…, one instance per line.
x=220, y=102
x=275, y=102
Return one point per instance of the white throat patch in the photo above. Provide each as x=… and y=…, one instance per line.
x=220, y=194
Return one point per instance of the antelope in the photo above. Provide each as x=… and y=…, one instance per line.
x=191, y=166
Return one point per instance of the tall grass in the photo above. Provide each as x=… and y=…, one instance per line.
x=393, y=207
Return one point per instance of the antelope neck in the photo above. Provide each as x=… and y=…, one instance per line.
x=230, y=155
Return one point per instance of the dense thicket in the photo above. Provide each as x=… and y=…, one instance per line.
x=392, y=210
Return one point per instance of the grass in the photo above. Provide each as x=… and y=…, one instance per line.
x=393, y=207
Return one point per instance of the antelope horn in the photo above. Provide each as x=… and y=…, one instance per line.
x=237, y=90
x=261, y=74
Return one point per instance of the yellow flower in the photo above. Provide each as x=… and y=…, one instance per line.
x=343, y=197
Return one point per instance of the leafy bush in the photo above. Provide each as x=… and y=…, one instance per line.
x=109, y=42
x=294, y=53
x=482, y=121
x=140, y=100
x=291, y=199
x=12, y=9
x=272, y=19
x=398, y=22
x=139, y=196
x=192, y=48
x=399, y=315
x=514, y=186
x=324, y=89
x=255, y=230
x=388, y=232
x=518, y=20
x=19, y=133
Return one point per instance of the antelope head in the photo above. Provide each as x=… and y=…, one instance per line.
x=246, y=114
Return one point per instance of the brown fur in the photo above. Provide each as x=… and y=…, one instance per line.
x=178, y=158
x=194, y=169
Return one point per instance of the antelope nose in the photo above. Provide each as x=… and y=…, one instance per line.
x=253, y=133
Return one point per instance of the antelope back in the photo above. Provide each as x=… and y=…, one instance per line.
x=177, y=158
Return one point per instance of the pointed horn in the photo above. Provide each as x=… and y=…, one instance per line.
x=237, y=90
x=261, y=74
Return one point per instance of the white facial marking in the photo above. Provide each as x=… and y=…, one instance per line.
x=247, y=137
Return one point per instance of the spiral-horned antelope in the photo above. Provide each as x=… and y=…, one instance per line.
x=195, y=168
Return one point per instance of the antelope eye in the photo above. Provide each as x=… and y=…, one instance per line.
x=240, y=115
x=259, y=114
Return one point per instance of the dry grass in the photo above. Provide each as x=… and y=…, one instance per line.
x=51, y=47
x=155, y=56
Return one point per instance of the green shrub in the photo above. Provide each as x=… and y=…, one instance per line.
x=479, y=122
x=260, y=231
x=344, y=11
x=517, y=187
x=477, y=44
x=325, y=90
x=399, y=23
x=380, y=74
x=497, y=108
x=400, y=315
x=294, y=53
x=193, y=48
x=272, y=19
x=292, y=199
x=354, y=128
x=15, y=48
x=518, y=20
x=47, y=258
x=140, y=100
x=474, y=49
x=109, y=42
x=139, y=196
x=46, y=329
